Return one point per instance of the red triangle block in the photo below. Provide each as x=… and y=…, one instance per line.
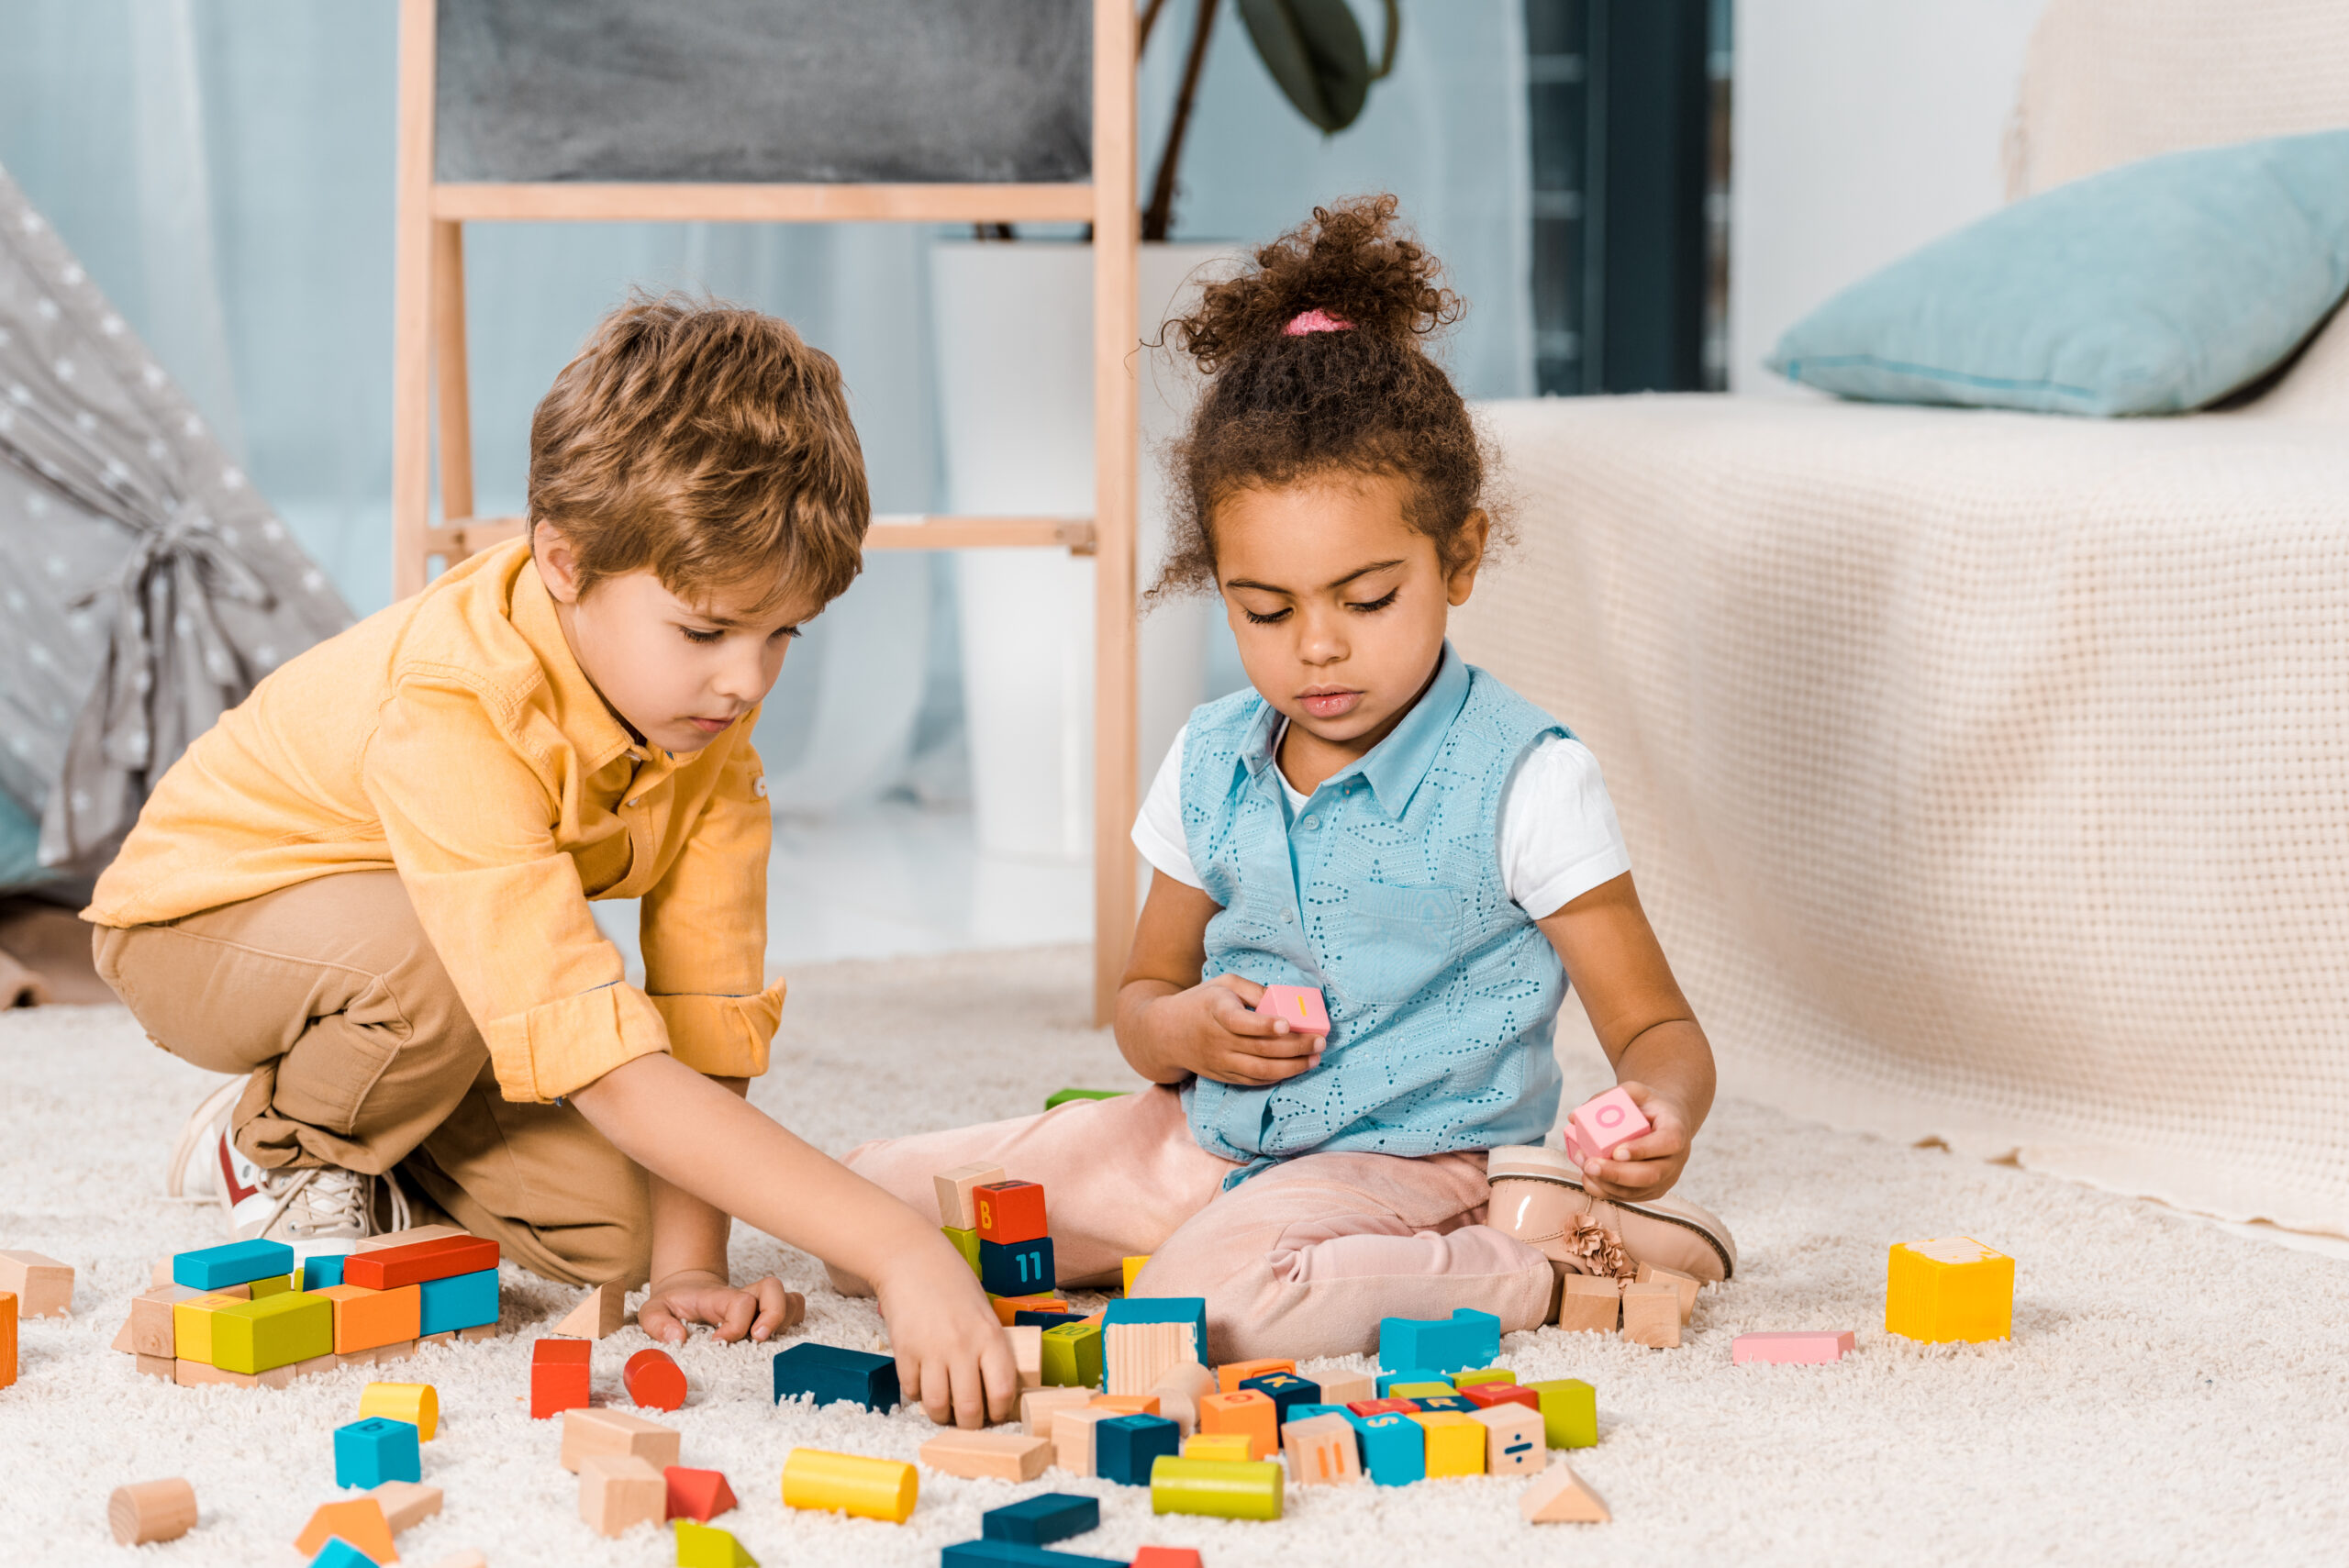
x=700, y=1495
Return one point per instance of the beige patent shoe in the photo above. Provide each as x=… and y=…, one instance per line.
x=1538, y=1198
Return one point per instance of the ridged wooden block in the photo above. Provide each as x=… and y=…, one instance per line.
x=150, y=1510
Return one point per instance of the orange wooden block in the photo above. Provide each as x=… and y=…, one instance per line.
x=1127, y=1404
x=7, y=1338
x=1231, y=1375
x=1249, y=1412
x=561, y=1374
x=1009, y=1212
x=359, y=1521
x=1651, y=1315
x=1008, y=1307
x=654, y=1381
x=150, y=1510
x=367, y=1319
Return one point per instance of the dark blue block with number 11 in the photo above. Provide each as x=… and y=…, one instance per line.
x=1015, y=1268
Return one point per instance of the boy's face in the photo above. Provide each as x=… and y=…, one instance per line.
x=1338, y=604
x=676, y=673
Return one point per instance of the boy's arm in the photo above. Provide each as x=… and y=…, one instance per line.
x=690, y=1280
x=1645, y=1026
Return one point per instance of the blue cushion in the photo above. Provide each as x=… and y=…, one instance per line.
x=20, y=864
x=2153, y=288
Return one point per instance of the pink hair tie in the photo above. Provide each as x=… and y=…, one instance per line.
x=1315, y=321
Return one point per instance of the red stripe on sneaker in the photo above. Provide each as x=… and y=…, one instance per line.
x=237, y=1190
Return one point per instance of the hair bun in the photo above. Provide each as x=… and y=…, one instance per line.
x=1352, y=263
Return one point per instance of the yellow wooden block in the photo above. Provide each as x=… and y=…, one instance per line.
x=1456, y=1443
x=849, y=1484
x=191, y=1325
x=1217, y=1445
x=1132, y=1268
x=415, y=1402
x=278, y=1286
x=1949, y=1288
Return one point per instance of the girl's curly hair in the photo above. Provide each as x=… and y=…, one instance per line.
x=1279, y=407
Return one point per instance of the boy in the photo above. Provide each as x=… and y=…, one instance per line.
x=367, y=887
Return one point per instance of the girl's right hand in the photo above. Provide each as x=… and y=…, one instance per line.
x=952, y=1357
x=1217, y=1033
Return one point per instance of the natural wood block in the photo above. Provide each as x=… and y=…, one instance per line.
x=122, y=1340
x=1007, y=1456
x=150, y=1510
x=1127, y=1404
x=43, y=1286
x=1340, y=1386
x=406, y=1503
x=150, y=1318
x=477, y=1333
x=1589, y=1302
x=1028, y=1352
x=956, y=1208
x=409, y=1238
x=1323, y=1451
x=620, y=1490
x=1072, y=1437
x=468, y=1559
x=1179, y=1390
x=1038, y=1404
x=603, y=1312
x=1686, y=1284
x=359, y=1521
x=587, y=1433
x=1651, y=1315
x=159, y=1273
x=163, y=1367
x=1560, y=1497
x=1137, y=1354
x=1514, y=1440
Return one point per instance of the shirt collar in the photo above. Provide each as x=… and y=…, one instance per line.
x=1395, y=766
x=580, y=711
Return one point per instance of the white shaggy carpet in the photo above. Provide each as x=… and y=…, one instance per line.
x=2172, y=1394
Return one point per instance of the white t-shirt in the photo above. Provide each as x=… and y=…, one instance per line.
x=1559, y=837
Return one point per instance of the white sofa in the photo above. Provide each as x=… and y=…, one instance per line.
x=1988, y=774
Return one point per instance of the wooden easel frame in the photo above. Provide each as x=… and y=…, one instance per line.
x=429, y=383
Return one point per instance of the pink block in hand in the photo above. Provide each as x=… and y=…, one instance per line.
x=1806, y=1347
x=1607, y=1123
x=1299, y=1005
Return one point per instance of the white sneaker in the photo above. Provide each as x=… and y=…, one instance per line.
x=323, y=1203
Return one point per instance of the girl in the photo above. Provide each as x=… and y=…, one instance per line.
x=1381, y=821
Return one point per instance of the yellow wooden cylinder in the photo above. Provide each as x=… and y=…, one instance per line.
x=849, y=1484
x=1244, y=1490
x=414, y=1403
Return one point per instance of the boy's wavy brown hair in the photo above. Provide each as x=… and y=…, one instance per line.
x=1279, y=408
x=708, y=443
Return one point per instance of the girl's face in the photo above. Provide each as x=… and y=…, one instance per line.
x=1338, y=604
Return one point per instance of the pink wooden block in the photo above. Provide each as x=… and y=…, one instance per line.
x=1604, y=1124
x=1300, y=1006
x=1804, y=1347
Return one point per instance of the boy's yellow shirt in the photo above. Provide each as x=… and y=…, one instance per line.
x=453, y=739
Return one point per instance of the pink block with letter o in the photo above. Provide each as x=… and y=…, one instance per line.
x=1299, y=1006
x=1608, y=1122
x=1792, y=1348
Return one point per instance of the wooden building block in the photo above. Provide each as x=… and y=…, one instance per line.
x=1340, y=1385
x=380, y=1356
x=1231, y=1375
x=122, y=1340
x=1073, y=1437
x=587, y=1433
x=1247, y=1412
x=1166, y=1557
x=1286, y=1391
x=1514, y=1439
x=1069, y=1355
x=457, y=1302
x=1560, y=1497
x=560, y=1375
x=1468, y=1338
x=1124, y=1449
x=1005, y=1456
x=954, y=1188
x=1027, y=1353
x=1651, y=1315
x=1802, y=1347
x=1179, y=1390
x=618, y=1492
x=409, y=1238
x=1301, y=1008
x=1126, y=1404
x=1129, y=1270
x=367, y=1319
x=706, y=1546
x=696, y=1494
x=150, y=1318
x=1389, y=1407
x=1486, y=1395
x=1455, y=1443
x=1015, y=1268
x=1136, y=1355
x=1394, y=1447
x=150, y=1510
x=1041, y=1520
x=164, y=1367
x=370, y=1451
x=1009, y=1212
x=828, y=1373
x=1217, y=1445
x=198, y=1374
x=966, y=1242
x=43, y=1286
x=1950, y=1288
x=415, y=1402
x=231, y=1263
x=1589, y=1303
x=388, y=1268
x=466, y=1559
x=1036, y=1406
x=277, y=1285
x=406, y=1503
x=191, y=1325
x=1416, y=1392
x=654, y=1380
x=1190, y=1310
x=1477, y=1377
x=272, y=1331
x=849, y=1484
x=1604, y=1123
x=601, y=1311
x=359, y=1521
x=1686, y=1284
x=1250, y=1489
x=1007, y=1308
x=1323, y=1451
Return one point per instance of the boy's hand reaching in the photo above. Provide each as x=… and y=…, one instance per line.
x=694, y=1295
x=952, y=1357
x=1646, y=1166
x=1214, y=1030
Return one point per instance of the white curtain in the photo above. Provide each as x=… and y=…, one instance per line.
x=224, y=171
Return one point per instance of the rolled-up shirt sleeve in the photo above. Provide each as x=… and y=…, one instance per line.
x=704, y=927
x=471, y=831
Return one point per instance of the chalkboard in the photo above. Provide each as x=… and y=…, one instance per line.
x=784, y=91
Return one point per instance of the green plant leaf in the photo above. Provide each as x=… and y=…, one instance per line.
x=1314, y=49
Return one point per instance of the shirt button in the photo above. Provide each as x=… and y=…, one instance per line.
x=1288, y=918
x=1310, y=822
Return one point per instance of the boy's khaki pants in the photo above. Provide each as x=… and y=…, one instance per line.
x=361, y=1055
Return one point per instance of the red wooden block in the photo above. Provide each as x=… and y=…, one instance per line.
x=560, y=1373
x=655, y=1382
x=1168, y=1557
x=697, y=1494
x=1385, y=1406
x=443, y=1258
x=1485, y=1395
x=1010, y=1211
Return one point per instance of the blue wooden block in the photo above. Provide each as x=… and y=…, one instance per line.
x=1048, y=1319
x=459, y=1301
x=827, y=1372
x=340, y=1553
x=1191, y=1309
x=1394, y=1448
x=232, y=1262
x=1286, y=1391
x=1013, y=1554
x=1467, y=1338
x=1041, y=1520
x=1125, y=1449
x=321, y=1270
x=1387, y=1380
x=369, y=1452
x=1015, y=1268
x=1307, y=1412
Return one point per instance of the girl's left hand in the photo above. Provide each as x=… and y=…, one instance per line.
x=1653, y=1162
x=693, y=1296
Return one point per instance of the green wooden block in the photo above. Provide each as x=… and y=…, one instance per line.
x=706, y=1546
x=276, y=1285
x=1226, y=1488
x=1463, y=1381
x=1420, y=1390
x=1073, y=1355
x=1569, y=1412
x=276, y=1331
x=1059, y=1097
x=965, y=1243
